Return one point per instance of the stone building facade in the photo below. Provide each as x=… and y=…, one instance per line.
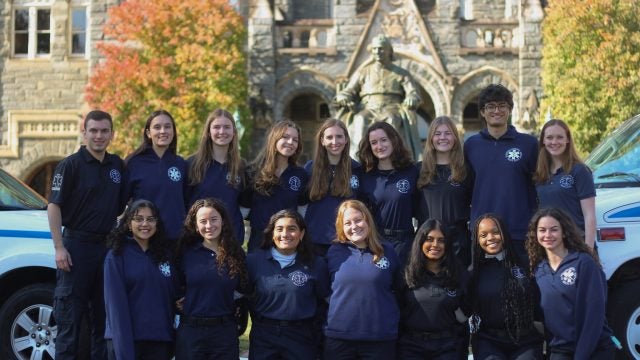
x=302, y=54
x=47, y=48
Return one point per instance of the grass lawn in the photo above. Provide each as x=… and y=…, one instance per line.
x=244, y=341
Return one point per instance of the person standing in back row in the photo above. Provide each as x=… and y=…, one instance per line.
x=502, y=161
x=155, y=172
x=86, y=197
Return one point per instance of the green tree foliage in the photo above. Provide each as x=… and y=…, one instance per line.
x=591, y=65
x=184, y=56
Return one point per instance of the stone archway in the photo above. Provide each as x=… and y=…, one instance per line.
x=304, y=96
x=435, y=98
x=308, y=110
x=464, y=103
x=40, y=178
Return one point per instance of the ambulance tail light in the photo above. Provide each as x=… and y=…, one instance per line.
x=611, y=234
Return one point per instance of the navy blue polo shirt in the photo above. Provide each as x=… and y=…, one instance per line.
x=287, y=195
x=89, y=192
x=363, y=303
x=444, y=199
x=573, y=301
x=431, y=307
x=565, y=191
x=292, y=293
x=503, y=170
x=390, y=195
x=162, y=181
x=321, y=214
x=139, y=298
x=215, y=184
x=208, y=292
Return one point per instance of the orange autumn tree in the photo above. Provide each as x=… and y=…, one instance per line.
x=184, y=56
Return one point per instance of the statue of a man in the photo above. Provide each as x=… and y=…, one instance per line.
x=381, y=91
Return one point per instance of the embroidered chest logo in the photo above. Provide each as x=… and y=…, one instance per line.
x=295, y=183
x=115, y=176
x=513, y=154
x=165, y=269
x=298, y=278
x=383, y=263
x=569, y=276
x=452, y=292
x=354, y=182
x=517, y=272
x=228, y=177
x=403, y=186
x=174, y=174
x=567, y=181
x=453, y=183
x=56, y=184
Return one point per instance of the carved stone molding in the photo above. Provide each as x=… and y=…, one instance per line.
x=38, y=124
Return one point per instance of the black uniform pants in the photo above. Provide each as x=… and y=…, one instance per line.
x=80, y=292
x=207, y=341
x=339, y=349
x=285, y=340
x=146, y=350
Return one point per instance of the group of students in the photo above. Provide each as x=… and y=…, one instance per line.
x=334, y=266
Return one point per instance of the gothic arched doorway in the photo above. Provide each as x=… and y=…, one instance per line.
x=40, y=178
x=308, y=111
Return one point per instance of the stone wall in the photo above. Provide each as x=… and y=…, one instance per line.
x=46, y=89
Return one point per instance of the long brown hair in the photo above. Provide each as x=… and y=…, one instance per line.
x=569, y=157
x=373, y=239
x=264, y=166
x=400, y=158
x=571, y=237
x=320, y=184
x=147, y=143
x=203, y=158
x=229, y=253
x=456, y=156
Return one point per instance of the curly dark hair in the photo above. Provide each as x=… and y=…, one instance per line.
x=415, y=273
x=495, y=92
x=304, y=249
x=400, y=158
x=571, y=237
x=517, y=294
x=159, y=248
x=230, y=254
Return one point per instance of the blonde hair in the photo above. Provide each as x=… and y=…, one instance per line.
x=319, y=183
x=203, y=158
x=373, y=239
x=569, y=157
x=456, y=157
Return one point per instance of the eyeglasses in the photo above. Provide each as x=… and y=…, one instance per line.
x=141, y=219
x=494, y=107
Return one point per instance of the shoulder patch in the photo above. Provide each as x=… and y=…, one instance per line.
x=56, y=183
